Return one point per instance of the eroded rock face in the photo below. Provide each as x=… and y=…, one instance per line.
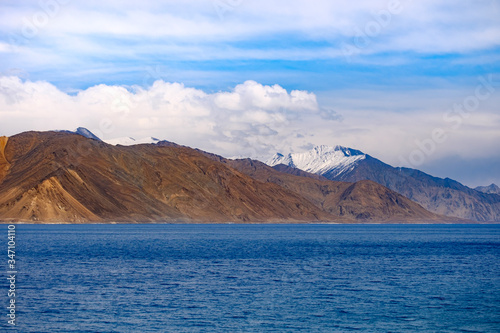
x=4, y=164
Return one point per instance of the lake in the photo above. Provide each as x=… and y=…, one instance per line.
x=256, y=278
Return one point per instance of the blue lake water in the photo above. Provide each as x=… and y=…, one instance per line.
x=256, y=278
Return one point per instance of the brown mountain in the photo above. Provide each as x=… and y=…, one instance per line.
x=364, y=201
x=64, y=177
x=442, y=196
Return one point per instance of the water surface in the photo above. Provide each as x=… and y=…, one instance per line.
x=257, y=278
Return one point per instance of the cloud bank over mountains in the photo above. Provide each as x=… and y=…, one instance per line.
x=256, y=120
x=249, y=120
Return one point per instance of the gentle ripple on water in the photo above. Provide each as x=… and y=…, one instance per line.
x=257, y=278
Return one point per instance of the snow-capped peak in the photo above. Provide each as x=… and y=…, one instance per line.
x=491, y=189
x=83, y=132
x=129, y=141
x=280, y=159
x=86, y=133
x=321, y=160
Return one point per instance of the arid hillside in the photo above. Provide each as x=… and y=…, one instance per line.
x=64, y=177
x=363, y=201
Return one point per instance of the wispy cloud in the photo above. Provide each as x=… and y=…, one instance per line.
x=371, y=26
x=53, y=40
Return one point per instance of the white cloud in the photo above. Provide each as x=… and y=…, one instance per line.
x=252, y=119
x=5, y=47
x=255, y=120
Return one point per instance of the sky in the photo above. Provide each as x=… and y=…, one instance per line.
x=413, y=83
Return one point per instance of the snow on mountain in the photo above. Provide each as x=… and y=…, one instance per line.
x=321, y=160
x=124, y=141
x=83, y=132
x=86, y=133
x=128, y=141
x=491, y=189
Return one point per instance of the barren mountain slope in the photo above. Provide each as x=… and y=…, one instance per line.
x=62, y=177
x=365, y=200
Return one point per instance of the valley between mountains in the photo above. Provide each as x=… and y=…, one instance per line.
x=63, y=177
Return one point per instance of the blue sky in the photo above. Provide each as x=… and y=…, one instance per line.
x=249, y=78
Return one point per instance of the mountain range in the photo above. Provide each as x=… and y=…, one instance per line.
x=441, y=196
x=75, y=177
